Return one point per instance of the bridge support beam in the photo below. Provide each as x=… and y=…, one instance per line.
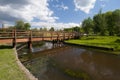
x=14, y=43
x=29, y=45
x=30, y=41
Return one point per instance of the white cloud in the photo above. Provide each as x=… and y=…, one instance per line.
x=62, y=6
x=9, y=11
x=54, y=0
x=84, y=5
x=55, y=25
x=29, y=10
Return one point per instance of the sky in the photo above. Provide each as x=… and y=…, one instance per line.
x=53, y=13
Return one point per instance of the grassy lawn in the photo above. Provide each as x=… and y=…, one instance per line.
x=9, y=70
x=102, y=41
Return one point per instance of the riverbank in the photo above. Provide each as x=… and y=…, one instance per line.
x=9, y=69
x=108, y=43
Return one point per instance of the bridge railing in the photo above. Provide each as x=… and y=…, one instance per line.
x=21, y=33
x=5, y=33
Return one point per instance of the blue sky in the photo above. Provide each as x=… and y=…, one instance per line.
x=53, y=13
x=70, y=15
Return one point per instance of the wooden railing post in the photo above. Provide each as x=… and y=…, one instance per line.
x=30, y=40
x=63, y=35
x=57, y=36
x=42, y=36
x=51, y=36
x=14, y=38
x=72, y=35
x=68, y=35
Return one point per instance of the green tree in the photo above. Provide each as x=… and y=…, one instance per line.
x=21, y=25
x=52, y=29
x=41, y=29
x=116, y=20
x=44, y=29
x=68, y=29
x=110, y=23
x=100, y=24
x=88, y=25
x=76, y=29
x=27, y=26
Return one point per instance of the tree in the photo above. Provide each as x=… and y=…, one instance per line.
x=103, y=23
x=68, y=29
x=100, y=24
x=52, y=29
x=110, y=23
x=116, y=20
x=76, y=29
x=44, y=29
x=88, y=25
x=27, y=26
x=41, y=29
x=21, y=25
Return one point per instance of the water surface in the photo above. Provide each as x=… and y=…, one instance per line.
x=52, y=64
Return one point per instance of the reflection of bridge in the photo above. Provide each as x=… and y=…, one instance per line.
x=15, y=36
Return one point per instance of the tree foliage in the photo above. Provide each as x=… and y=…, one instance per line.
x=73, y=29
x=88, y=25
x=103, y=23
x=52, y=29
x=21, y=25
x=100, y=24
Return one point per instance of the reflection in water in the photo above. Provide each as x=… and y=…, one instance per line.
x=47, y=45
x=98, y=65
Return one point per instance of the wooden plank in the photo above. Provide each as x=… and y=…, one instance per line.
x=3, y=41
x=22, y=40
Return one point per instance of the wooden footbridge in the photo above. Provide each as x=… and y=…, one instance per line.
x=16, y=36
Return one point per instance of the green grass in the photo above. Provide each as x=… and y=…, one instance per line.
x=101, y=41
x=9, y=70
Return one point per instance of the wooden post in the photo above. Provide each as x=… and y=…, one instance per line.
x=51, y=35
x=30, y=41
x=63, y=35
x=68, y=35
x=43, y=36
x=72, y=35
x=57, y=36
x=14, y=38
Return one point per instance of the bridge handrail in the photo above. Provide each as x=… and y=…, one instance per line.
x=26, y=33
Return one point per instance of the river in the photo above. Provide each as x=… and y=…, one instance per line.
x=72, y=63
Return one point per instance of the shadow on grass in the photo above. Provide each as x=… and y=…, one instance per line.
x=5, y=47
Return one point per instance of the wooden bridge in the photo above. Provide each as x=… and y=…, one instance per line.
x=16, y=36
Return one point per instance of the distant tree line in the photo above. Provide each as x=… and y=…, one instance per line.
x=74, y=29
x=103, y=24
x=20, y=25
